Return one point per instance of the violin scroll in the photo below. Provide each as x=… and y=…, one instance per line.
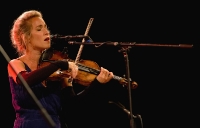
x=124, y=81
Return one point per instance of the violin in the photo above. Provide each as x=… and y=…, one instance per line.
x=87, y=69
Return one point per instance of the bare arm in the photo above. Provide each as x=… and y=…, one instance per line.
x=16, y=67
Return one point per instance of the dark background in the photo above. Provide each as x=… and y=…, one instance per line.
x=167, y=76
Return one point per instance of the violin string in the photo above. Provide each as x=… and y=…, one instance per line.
x=95, y=71
x=88, y=69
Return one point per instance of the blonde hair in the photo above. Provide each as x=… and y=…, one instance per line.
x=22, y=26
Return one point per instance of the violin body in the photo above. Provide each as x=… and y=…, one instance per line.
x=85, y=75
x=87, y=69
x=52, y=55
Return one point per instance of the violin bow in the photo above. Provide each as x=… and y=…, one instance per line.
x=83, y=40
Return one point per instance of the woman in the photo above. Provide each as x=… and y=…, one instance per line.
x=31, y=37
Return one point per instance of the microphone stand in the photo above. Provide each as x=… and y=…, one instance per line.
x=42, y=109
x=125, y=47
x=124, y=51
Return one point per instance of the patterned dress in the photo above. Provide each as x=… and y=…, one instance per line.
x=28, y=114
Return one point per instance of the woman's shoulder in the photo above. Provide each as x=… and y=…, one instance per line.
x=15, y=61
x=14, y=67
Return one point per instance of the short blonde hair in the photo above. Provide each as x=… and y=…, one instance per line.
x=22, y=26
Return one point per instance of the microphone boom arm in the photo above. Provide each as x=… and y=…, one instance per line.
x=131, y=44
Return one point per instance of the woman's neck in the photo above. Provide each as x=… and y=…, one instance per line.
x=31, y=59
x=33, y=56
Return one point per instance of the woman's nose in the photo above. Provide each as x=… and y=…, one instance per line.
x=47, y=32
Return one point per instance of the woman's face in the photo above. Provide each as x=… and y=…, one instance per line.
x=40, y=35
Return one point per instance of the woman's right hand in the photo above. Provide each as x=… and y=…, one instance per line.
x=73, y=69
x=66, y=82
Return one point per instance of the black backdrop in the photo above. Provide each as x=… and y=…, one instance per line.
x=167, y=91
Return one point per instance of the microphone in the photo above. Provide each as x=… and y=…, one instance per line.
x=56, y=36
x=123, y=108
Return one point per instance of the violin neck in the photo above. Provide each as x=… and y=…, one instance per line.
x=88, y=69
x=121, y=80
x=95, y=71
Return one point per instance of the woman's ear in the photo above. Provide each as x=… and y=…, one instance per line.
x=23, y=38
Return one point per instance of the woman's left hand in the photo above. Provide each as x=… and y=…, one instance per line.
x=104, y=76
